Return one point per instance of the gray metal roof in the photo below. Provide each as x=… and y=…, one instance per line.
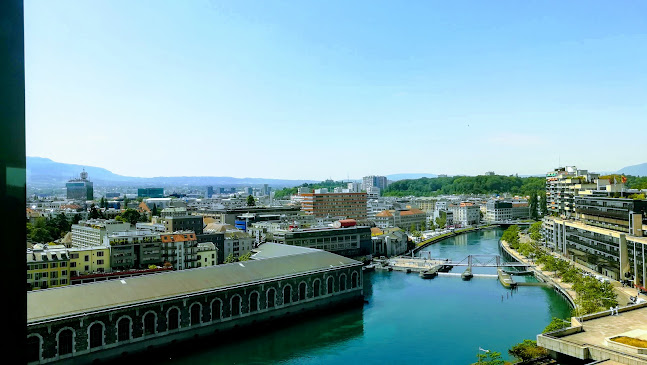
x=273, y=261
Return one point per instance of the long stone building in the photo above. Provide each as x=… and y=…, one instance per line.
x=82, y=323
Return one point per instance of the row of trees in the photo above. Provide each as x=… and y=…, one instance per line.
x=592, y=294
x=231, y=258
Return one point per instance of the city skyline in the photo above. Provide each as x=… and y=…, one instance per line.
x=302, y=91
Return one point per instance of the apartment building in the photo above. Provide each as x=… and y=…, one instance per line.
x=92, y=232
x=466, y=213
x=403, y=218
x=599, y=226
x=349, y=205
x=180, y=249
x=47, y=266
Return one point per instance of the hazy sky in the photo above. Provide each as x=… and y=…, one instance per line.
x=319, y=89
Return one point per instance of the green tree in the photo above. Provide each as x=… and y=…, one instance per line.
x=245, y=257
x=131, y=216
x=94, y=212
x=441, y=221
x=527, y=350
x=535, y=231
x=154, y=211
x=543, y=205
x=250, y=201
x=76, y=218
x=489, y=358
x=230, y=259
x=533, y=204
x=556, y=324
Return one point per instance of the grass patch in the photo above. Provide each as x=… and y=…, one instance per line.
x=630, y=341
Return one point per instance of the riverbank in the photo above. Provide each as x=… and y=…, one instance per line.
x=624, y=293
x=566, y=289
x=432, y=240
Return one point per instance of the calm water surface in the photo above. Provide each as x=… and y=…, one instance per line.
x=408, y=320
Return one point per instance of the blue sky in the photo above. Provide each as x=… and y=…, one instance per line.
x=314, y=90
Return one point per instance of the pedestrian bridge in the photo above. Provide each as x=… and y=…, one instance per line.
x=425, y=262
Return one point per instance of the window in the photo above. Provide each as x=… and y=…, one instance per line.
x=72, y=264
x=216, y=309
x=123, y=329
x=271, y=298
x=316, y=288
x=100, y=254
x=99, y=262
x=342, y=282
x=33, y=348
x=235, y=305
x=65, y=342
x=173, y=319
x=87, y=268
x=96, y=335
x=195, y=314
x=54, y=265
x=28, y=276
x=253, y=302
x=302, y=291
x=354, y=280
x=330, y=285
x=149, y=323
x=287, y=294
x=54, y=274
x=63, y=264
x=87, y=258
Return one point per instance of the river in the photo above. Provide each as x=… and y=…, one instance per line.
x=407, y=320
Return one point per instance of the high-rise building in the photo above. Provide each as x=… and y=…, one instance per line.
x=563, y=184
x=80, y=188
x=374, y=181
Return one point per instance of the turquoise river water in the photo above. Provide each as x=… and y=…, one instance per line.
x=407, y=320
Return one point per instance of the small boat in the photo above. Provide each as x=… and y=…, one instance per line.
x=430, y=273
x=368, y=268
x=467, y=274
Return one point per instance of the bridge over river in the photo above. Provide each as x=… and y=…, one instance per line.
x=424, y=263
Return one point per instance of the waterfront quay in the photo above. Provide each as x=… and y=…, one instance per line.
x=103, y=320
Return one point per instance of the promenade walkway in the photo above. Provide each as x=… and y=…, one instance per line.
x=623, y=292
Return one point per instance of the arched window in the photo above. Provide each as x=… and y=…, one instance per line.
x=302, y=291
x=65, y=342
x=342, y=282
x=316, y=288
x=123, y=329
x=149, y=323
x=96, y=335
x=235, y=305
x=330, y=285
x=195, y=314
x=354, y=279
x=253, y=302
x=173, y=319
x=216, y=309
x=33, y=348
x=271, y=298
x=287, y=293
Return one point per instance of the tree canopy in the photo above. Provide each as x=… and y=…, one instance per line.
x=494, y=184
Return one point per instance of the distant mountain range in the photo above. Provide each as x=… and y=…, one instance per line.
x=635, y=170
x=45, y=172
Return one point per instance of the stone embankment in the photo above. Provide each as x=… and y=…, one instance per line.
x=432, y=240
x=543, y=275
